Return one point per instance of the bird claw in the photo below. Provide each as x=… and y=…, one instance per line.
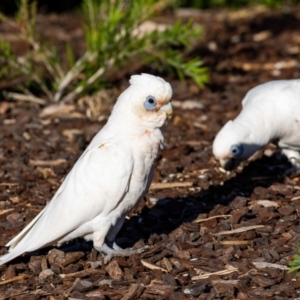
x=108, y=253
x=295, y=161
x=293, y=171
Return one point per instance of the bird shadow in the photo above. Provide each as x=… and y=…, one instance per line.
x=169, y=213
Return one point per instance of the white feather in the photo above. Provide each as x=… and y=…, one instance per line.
x=270, y=111
x=108, y=179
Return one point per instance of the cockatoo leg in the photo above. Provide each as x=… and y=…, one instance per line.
x=111, y=250
x=294, y=158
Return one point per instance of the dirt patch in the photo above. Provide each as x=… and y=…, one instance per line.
x=212, y=235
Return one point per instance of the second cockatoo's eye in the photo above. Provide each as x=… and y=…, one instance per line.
x=236, y=150
x=150, y=103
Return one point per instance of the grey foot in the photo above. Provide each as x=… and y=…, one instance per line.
x=115, y=250
x=295, y=169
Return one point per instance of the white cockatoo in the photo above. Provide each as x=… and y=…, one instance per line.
x=271, y=112
x=109, y=178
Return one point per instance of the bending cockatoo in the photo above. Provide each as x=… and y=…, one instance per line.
x=109, y=178
x=271, y=112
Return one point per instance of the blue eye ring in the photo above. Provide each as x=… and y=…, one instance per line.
x=236, y=150
x=150, y=103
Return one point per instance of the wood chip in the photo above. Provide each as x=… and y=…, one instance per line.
x=134, y=292
x=167, y=263
x=27, y=293
x=169, y=185
x=295, y=198
x=161, y=290
x=12, y=296
x=262, y=265
x=234, y=242
x=75, y=256
x=213, y=217
x=82, y=273
x=54, y=163
x=114, y=271
x=151, y=266
x=264, y=203
x=229, y=269
x=239, y=230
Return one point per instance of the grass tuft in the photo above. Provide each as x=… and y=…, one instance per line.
x=116, y=35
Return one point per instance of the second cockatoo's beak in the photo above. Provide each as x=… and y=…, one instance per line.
x=167, y=108
x=229, y=164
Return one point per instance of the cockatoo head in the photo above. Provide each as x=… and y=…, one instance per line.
x=233, y=144
x=147, y=100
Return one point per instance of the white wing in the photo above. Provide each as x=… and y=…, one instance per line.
x=269, y=91
x=95, y=185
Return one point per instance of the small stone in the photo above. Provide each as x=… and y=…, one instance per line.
x=14, y=218
x=83, y=285
x=168, y=279
x=195, y=289
x=56, y=256
x=45, y=275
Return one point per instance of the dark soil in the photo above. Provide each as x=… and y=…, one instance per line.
x=221, y=236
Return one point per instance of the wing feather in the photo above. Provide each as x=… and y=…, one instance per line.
x=95, y=185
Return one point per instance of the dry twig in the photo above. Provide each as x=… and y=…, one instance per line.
x=4, y=211
x=262, y=265
x=82, y=273
x=229, y=269
x=55, y=162
x=234, y=242
x=239, y=230
x=26, y=98
x=213, y=217
x=169, y=185
x=16, y=278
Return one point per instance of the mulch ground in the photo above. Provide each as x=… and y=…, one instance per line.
x=211, y=234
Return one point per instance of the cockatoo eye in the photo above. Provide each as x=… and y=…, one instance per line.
x=150, y=103
x=236, y=150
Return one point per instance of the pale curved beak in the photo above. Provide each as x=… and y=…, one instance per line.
x=167, y=108
x=229, y=164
